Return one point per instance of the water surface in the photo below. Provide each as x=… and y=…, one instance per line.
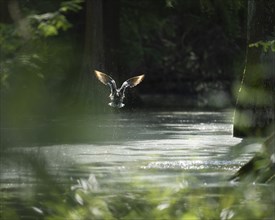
x=137, y=143
x=163, y=149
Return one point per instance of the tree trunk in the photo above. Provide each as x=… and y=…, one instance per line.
x=254, y=114
x=111, y=12
x=87, y=90
x=101, y=46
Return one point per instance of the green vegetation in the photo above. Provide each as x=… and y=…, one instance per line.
x=33, y=64
x=45, y=49
x=88, y=199
x=254, y=112
x=49, y=24
x=266, y=45
x=260, y=168
x=192, y=49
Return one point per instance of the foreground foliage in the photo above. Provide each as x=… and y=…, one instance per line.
x=261, y=168
x=91, y=199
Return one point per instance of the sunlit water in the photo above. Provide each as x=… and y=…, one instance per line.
x=161, y=148
x=135, y=144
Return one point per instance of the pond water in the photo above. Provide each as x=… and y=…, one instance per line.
x=107, y=152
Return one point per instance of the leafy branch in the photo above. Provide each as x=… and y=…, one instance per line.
x=49, y=24
x=266, y=45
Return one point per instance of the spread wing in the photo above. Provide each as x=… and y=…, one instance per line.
x=132, y=82
x=106, y=80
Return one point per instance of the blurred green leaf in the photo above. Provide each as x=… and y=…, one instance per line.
x=170, y=3
x=47, y=29
x=49, y=23
x=73, y=5
x=265, y=45
x=62, y=23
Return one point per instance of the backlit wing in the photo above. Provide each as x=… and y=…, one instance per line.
x=106, y=80
x=132, y=82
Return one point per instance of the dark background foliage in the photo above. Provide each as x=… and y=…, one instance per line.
x=192, y=52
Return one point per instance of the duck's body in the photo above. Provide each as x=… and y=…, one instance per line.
x=117, y=95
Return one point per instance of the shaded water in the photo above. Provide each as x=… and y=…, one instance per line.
x=158, y=148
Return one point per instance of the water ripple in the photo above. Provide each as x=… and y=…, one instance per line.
x=194, y=165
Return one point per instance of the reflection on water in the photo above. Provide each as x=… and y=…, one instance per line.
x=182, y=141
x=156, y=147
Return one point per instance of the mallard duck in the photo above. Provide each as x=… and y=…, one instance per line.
x=117, y=95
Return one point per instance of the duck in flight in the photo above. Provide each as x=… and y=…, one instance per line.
x=117, y=95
